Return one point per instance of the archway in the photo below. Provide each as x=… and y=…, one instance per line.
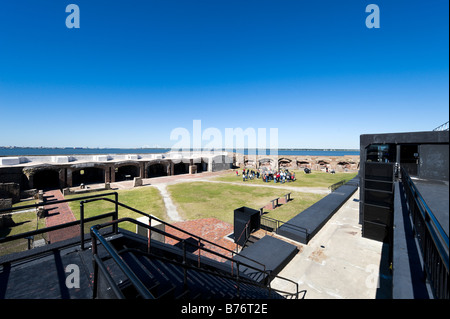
x=181, y=168
x=266, y=162
x=88, y=175
x=284, y=162
x=303, y=164
x=126, y=172
x=46, y=179
x=202, y=166
x=157, y=170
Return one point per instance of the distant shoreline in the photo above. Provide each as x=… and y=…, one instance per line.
x=36, y=151
x=33, y=151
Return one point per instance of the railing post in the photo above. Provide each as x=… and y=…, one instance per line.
x=82, y=225
x=199, y=244
x=149, y=233
x=238, y=283
x=95, y=274
x=184, y=264
x=116, y=212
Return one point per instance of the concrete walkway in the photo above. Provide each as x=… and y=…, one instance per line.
x=171, y=209
x=338, y=263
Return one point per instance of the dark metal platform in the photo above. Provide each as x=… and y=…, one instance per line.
x=313, y=218
x=435, y=193
x=272, y=252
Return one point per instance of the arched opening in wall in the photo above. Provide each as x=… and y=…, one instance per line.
x=344, y=165
x=126, y=172
x=199, y=167
x=249, y=163
x=181, y=168
x=202, y=166
x=46, y=179
x=265, y=162
x=157, y=170
x=303, y=164
x=323, y=163
x=88, y=175
x=284, y=162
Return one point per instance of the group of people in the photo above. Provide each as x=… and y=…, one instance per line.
x=280, y=176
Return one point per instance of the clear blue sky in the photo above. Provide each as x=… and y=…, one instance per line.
x=135, y=70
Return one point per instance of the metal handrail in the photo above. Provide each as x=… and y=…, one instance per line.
x=251, y=282
x=428, y=216
x=176, y=228
x=60, y=226
x=336, y=185
x=442, y=127
x=237, y=277
x=280, y=223
x=5, y=210
x=140, y=287
x=432, y=239
x=242, y=233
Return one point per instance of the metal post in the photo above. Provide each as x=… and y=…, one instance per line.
x=199, y=250
x=95, y=274
x=238, y=285
x=184, y=264
x=82, y=225
x=149, y=233
x=116, y=212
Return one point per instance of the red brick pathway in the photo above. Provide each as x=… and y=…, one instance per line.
x=211, y=229
x=59, y=214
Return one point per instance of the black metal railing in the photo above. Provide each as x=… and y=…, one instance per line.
x=199, y=239
x=245, y=232
x=273, y=225
x=95, y=231
x=431, y=237
x=336, y=185
x=145, y=293
x=82, y=221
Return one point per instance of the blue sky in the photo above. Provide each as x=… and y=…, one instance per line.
x=135, y=70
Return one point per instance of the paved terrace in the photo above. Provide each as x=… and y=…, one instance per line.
x=338, y=263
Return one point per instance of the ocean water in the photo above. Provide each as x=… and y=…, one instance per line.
x=87, y=151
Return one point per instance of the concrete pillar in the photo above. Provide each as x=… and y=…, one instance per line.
x=145, y=172
x=69, y=182
x=62, y=178
x=141, y=169
x=113, y=174
x=107, y=174
x=192, y=169
x=210, y=164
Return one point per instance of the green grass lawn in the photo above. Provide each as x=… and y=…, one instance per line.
x=145, y=199
x=23, y=222
x=315, y=179
x=202, y=199
x=20, y=223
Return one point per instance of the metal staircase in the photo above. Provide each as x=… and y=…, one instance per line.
x=115, y=263
x=125, y=268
